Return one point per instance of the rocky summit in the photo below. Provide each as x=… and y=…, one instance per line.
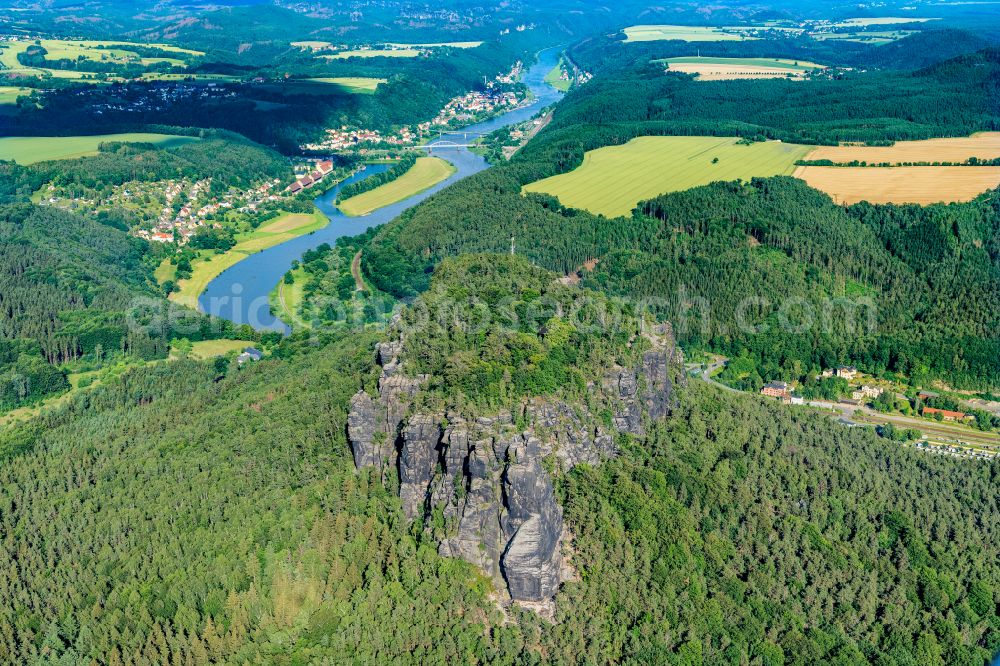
x=487, y=479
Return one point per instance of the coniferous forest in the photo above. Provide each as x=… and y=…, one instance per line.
x=493, y=394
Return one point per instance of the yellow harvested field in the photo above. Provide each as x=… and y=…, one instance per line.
x=881, y=20
x=374, y=53
x=984, y=145
x=919, y=185
x=684, y=33
x=435, y=45
x=706, y=72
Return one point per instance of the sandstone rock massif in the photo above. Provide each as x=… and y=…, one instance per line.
x=483, y=484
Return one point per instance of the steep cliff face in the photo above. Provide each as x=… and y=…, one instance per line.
x=483, y=484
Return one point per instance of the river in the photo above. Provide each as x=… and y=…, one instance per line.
x=240, y=293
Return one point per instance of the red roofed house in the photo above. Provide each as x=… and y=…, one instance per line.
x=946, y=414
x=325, y=167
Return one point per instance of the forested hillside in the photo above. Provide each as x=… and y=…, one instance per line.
x=282, y=107
x=235, y=528
x=931, y=273
x=227, y=158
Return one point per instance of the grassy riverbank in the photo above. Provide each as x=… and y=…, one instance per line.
x=210, y=265
x=426, y=173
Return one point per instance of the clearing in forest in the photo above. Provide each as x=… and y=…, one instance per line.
x=374, y=53
x=880, y=20
x=982, y=145
x=359, y=85
x=436, y=45
x=205, y=349
x=426, y=173
x=920, y=185
x=612, y=180
x=31, y=149
x=685, y=33
x=718, y=69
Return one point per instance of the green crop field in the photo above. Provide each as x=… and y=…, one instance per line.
x=9, y=94
x=31, y=149
x=426, y=173
x=686, y=33
x=353, y=84
x=612, y=180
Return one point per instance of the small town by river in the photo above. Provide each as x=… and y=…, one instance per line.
x=240, y=294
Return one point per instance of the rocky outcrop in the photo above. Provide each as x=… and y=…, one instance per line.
x=483, y=484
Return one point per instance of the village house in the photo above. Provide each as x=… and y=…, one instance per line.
x=946, y=414
x=249, y=354
x=847, y=372
x=867, y=392
x=779, y=390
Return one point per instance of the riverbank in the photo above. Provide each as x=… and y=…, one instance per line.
x=209, y=265
x=255, y=277
x=286, y=299
x=423, y=175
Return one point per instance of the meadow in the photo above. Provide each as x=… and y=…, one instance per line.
x=32, y=149
x=374, y=53
x=919, y=185
x=358, y=85
x=435, y=45
x=554, y=78
x=206, y=349
x=717, y=69
x=426, y=173
x=9, y=94
x=612, y=180
x=209, y=266
x=982, y=145
x=286, y=299
x=686, y=33
x=86, y=50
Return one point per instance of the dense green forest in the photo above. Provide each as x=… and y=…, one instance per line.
x=739, y=532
